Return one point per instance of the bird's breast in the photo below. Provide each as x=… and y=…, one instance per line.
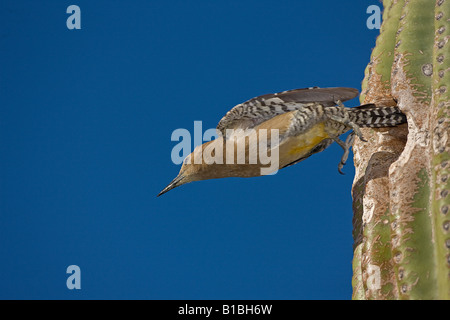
x=298, y=146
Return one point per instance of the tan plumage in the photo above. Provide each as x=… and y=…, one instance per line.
x=306, y=120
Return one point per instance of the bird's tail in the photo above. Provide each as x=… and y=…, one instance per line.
x=373, y=116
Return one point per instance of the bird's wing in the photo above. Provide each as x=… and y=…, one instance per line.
x=257, y=110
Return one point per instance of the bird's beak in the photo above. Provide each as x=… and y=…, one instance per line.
x=175, y=183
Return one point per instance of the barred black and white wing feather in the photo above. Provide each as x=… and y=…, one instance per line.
x=262, y=108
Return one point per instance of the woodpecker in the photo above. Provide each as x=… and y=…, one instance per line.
x=304, y=121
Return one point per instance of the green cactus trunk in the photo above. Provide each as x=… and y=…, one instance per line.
x=401, y=188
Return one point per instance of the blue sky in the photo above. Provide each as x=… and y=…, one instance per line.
x=86, y=118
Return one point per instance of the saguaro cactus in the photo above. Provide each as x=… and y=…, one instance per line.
x=401, y=197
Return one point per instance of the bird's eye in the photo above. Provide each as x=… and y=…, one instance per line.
x=187, y=159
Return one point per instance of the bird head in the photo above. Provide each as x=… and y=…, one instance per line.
x=192, y=169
